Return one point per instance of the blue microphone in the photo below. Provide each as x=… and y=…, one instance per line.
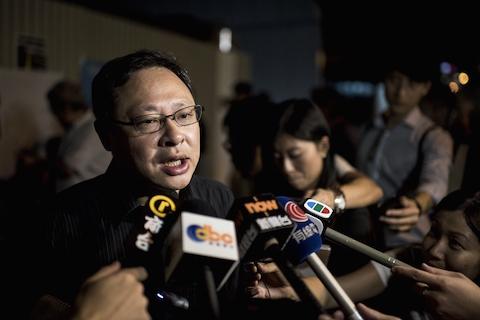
x=263, y=228
x=306, y=240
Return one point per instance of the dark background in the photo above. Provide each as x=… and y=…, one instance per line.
x=357, y=38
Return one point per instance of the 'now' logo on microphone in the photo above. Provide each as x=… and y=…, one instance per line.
x=206, y=233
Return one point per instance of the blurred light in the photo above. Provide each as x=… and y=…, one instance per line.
x=225, y=40
x=355, y=88
x=463, y=78
x=453, y=87
x=445, y=68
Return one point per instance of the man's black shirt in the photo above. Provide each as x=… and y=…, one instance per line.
x=89, y=226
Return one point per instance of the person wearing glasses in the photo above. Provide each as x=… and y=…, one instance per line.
x=147, y=117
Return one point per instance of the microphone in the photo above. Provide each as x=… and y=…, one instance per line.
x=319, y=211
x=263, y=228
x=303, y=247
x=201, y=241
x=153, y=220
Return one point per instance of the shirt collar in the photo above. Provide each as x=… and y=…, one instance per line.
x=412, y=119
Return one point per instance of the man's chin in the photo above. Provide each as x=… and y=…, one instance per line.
x=175, y=182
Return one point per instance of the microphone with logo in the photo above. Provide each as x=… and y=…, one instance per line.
x=318, y=211
x=262, y=229
x=200, y=242
x=305, y=242
x=157, y=214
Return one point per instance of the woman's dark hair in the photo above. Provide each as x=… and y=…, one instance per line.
x=116, y=73
x=302, y=119
x=466, y=201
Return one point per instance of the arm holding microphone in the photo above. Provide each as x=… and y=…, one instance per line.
x=110, y=293
x=373, y=276
x=353, y=283
x=303, y=247
x=449, y=295
x=262, y=230
x=369, y=276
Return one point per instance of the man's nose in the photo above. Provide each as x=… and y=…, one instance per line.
x=172, y=134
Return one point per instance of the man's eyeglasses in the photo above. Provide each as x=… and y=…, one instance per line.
x=155, y=122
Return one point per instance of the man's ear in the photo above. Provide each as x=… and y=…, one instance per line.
x=324, y=146
x=103, y=133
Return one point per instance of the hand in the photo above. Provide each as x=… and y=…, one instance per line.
x=112, y=293
x=255, y=288
x=366, y=312
x=448, y=294
x=402, y=219
x=264, y=282
x=325, y=196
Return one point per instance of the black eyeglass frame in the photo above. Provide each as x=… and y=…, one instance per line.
x=135, y=122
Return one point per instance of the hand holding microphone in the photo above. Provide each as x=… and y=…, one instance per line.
x=304, y=245
x=448, y=294
x=262, y=229
x=112, y=293
x=265, y=281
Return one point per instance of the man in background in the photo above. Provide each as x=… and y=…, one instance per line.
x=80, y=154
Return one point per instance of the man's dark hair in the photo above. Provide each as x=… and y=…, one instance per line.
x=65, y=94
x=117, y=72
x=417, y=67
x=466, y=201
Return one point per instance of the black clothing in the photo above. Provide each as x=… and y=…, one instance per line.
x=91, y=224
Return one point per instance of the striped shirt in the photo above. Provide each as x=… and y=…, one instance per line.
x=92, y=222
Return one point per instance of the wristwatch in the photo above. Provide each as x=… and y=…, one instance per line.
x=339, y=201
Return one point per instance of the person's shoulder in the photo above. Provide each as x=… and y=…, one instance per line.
x=437, y=136
x=72, y=205
x=212, y=191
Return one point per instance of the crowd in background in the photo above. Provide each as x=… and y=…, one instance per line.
x=384, y=173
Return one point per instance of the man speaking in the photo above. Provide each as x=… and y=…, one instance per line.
x=147, y=117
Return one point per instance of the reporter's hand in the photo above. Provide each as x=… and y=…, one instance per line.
x=448, y=294
x=263, y=282
x=325, y=196
x=402, y=219
x=112, y=293
x=255, y=288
